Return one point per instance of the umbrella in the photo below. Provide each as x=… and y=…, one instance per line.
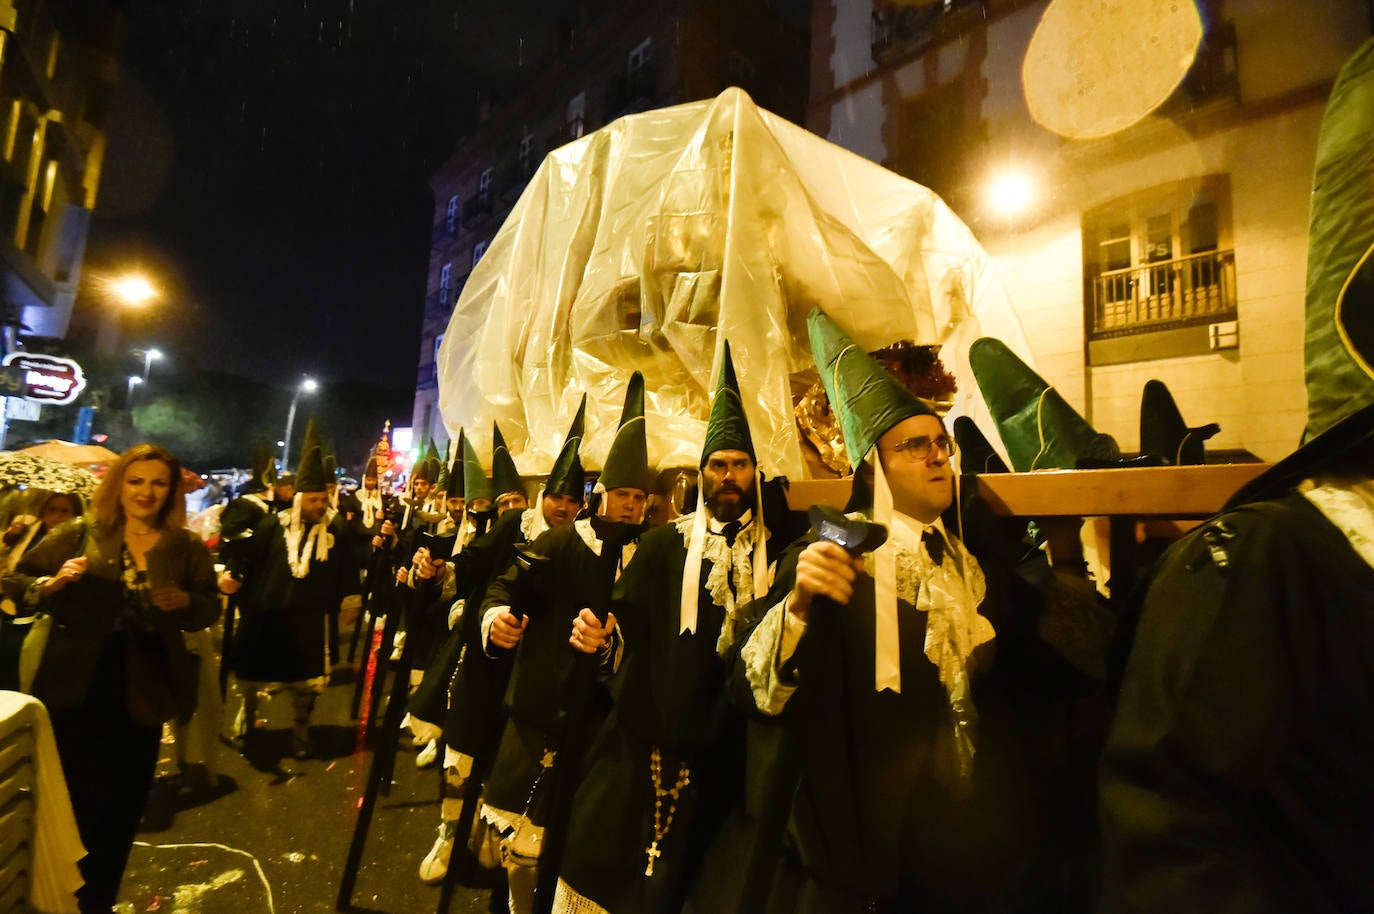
x=76, y=454
x=19, y=469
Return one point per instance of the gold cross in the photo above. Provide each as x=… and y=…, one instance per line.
x=652, y=851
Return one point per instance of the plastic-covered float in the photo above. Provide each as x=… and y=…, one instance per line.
x=647, y=243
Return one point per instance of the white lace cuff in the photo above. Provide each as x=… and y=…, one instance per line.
x=766, y=654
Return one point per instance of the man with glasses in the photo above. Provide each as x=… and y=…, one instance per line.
x=868, y=659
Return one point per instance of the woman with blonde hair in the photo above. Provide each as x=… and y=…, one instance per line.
x=121, y=586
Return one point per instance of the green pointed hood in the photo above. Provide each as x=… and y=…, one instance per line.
x=504, y=476
x=1340, y=252
x=424, y=467
x=627, y=462
x=1164, y=434
x=865, y=396
x=331, y=467
x=455, y=469
x=1039, y=428
x=312, y=438
x=475, y=482
x=442, y=477
x=1339, y=347
x=310, y=475
x=727, y=429
x=567, y=476
x=976, y=453
x=264, y=468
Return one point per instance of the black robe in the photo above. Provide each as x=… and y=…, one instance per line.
x=281, y=636
x=670, y=693
x=1237, y=777
x=541, y=694
x=473, y=722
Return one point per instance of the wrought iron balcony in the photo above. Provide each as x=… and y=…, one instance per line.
x=1197, y=289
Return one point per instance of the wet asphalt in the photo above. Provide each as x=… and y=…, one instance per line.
x=271, y=834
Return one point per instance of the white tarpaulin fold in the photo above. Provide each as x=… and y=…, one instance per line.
x=643, y=244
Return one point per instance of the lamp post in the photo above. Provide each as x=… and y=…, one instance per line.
x=131, y=291
x=134, y=381
x=149, y=357
x=307, y=386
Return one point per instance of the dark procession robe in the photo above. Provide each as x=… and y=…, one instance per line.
x=281, y=635
x=538, y=700
x=475, y=716
x=670, y=693
x=1239, y=774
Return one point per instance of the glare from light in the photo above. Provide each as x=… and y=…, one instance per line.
x=135, y=380
x=133, y=289
x=309, y=385
x=152, y=355
x=1011, y=194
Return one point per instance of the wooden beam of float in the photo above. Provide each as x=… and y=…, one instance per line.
x=1192, y=491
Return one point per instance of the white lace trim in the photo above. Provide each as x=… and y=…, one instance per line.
x=532, y=523
x=371, y=502
x=583, y=526
x=1349, y=505
x=722, y=557
x=760, y=662
x=317, y=540
x=567, y=900
x=950, y=594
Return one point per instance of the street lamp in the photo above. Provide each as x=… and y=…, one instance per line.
x=307, y=386
x=130, y=291
x=134, y=381
x=149, y=357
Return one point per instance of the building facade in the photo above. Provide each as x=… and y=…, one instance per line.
x=639, y=56
x=56, y=75
x=1174, y=248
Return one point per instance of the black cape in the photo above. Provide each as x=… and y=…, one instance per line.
x=1237, y=776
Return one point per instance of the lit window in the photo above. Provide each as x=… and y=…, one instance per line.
x=445, y=282
x=484, y=185
x=478, y=250
x=577, y=110
x=451, y=215
x=1155, y=260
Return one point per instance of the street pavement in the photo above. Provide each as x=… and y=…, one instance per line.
x=271, y=834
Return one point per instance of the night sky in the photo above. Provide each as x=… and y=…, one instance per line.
x=269, y=163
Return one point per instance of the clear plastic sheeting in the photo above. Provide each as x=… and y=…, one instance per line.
x=644, y=244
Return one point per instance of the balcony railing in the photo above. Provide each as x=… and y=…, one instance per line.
x=1200, y=288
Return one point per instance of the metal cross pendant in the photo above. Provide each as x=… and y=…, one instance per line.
x=653, y=852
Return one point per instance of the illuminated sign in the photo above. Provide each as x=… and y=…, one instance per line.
x=45, y=378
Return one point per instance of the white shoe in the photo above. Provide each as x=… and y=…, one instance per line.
x=434, y=867
x=428, y=755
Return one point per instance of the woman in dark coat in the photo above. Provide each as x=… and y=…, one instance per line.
x=120, y=588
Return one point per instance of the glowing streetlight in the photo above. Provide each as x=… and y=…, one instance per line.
x=1011, y=194
x=133, y=289
x=126, y=292
x=307, y=386
x=149, y=357
x=134, y=381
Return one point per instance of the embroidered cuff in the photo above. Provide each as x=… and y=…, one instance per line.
x=765, y=663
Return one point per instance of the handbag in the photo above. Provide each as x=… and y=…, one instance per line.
x=161, y=677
